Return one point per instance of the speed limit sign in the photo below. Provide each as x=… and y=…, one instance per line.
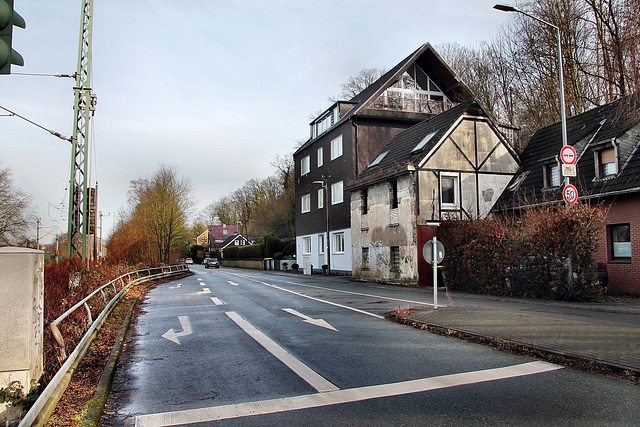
x=570, y=194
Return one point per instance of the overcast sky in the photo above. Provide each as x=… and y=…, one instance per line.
x=216, y=88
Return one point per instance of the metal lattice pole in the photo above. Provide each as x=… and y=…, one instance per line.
x=82, y=108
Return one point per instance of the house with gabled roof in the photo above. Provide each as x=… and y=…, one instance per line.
x=347, y=137
x=453, y=165
x=235, y=239
x=607, y=144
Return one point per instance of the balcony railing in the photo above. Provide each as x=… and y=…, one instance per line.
x=411, y=105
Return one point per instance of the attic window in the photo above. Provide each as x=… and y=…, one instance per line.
x=378, y=159
x=424, y=142
x=607, y=162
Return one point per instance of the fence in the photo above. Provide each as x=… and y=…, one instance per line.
x=50, y=396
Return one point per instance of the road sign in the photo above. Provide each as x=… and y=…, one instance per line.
x=427, y=252
x=570, y=194
x=569, y=170
x=568, y=155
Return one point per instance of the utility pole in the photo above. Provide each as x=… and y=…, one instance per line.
x=83, y=108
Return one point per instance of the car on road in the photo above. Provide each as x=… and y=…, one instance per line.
x=188, y=261
x=211, y=263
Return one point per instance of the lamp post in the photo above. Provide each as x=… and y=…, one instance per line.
x=325, y=191
x=509, y=8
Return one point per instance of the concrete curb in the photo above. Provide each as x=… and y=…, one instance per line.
x=552, y=355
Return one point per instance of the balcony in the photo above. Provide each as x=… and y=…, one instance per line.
x=411, y=105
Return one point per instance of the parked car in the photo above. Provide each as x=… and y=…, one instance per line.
x=188, y=261
x=211, y=263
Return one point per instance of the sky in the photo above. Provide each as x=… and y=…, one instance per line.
x=214, y=88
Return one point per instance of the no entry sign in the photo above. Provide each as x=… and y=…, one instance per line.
x=568, y=155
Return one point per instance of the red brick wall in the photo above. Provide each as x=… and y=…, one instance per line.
x=425, y=271
x=623, y=276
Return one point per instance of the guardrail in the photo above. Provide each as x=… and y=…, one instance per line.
x=53, y=392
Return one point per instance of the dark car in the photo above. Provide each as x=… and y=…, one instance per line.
x=211, y=263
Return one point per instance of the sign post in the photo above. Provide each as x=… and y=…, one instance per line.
x=433, y=253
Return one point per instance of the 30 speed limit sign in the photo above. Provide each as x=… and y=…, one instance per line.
x=570, y=194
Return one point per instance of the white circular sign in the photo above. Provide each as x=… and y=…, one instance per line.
x=568, y=155
x=570, y=194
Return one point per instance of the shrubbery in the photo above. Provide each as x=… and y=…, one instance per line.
x=527, y=255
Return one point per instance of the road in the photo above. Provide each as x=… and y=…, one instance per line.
x=238, y=347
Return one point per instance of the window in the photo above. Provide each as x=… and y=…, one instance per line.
x=378, y=159
x=306, y=203
x=364, y=202
x=393, y=194
x=306, y=245
x=424, y=142
x=321, y=244
x=320, y=156
x=336, y=148
x=620, y=236
x=338, y=243
x=336, y=193
x=305, y=166
x=552, y=175
x=607, y=161
x=321, y=198
x=449, y=190
x=365, y=257
x=395, y=257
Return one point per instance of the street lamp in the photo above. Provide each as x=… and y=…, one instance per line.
x=509, y=8
x=325, y=190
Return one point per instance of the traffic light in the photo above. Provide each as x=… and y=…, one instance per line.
x=8, y=18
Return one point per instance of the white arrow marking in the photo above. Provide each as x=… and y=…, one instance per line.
x=304, y=317
x=204, y=291
x=216, y=301
x=171, y=335
x=231, y=283
x=179, y=285
x=203, y=284
x=199, y=279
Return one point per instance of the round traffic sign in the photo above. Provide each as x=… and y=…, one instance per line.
x=427, y=252
x=568, y=155
x=570, y=194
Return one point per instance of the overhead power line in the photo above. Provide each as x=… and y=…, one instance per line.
x=52, y=132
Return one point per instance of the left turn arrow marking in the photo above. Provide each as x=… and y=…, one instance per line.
x=171, y=335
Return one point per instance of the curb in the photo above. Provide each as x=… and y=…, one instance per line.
x=554, y=356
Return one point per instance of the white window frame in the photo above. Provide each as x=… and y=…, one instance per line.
x=305, y=165
x=336, y=147
x=306, y=245
x=306, y=203
x=338, y=243
x=320, y=156
x=321, y=198
x=456, y=190
x=337, y=193
x=321, y=244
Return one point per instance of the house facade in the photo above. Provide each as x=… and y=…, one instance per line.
x=453, y=165
x=347, y=137
x=219, y=233
x=607, y=143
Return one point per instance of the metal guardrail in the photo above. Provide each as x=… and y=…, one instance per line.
x=51, y=395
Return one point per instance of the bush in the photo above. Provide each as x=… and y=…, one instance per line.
x=244, y=252
x=529, y=255
x=278, y=255
x=272, y=245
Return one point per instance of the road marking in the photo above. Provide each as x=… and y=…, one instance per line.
x=337, y=397
x=171, y=335
x=199, y=279
x=203, y=284
x=216, y=301
x=304, y=317
x=204, y=291
x=314, y=379
x=179, y=285
x=232, y=283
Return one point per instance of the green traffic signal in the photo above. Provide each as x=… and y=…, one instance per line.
x=9, y=18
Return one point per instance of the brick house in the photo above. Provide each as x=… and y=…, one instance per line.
x=607, y=142
x=219, y=233
x=348, y=136
x=453, y=165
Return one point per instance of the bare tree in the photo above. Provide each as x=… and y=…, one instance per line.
x=14, y=212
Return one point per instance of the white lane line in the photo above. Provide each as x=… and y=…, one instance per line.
x=232, y=283
x=204, y=291
x=203, y=284
x=232, y=411
x=314, y=379
x=216, y=301
x=324, y=301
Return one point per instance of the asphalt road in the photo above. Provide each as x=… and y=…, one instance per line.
x=239, y=347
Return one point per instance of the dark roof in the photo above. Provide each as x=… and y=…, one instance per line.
x=230, y=239
x=430, y=61
x=401, y=150
x=585, y=132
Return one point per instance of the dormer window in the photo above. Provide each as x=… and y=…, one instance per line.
x=552, y=175
x=324, y=122
x=607, y=162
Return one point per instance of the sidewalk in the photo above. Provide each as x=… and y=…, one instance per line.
x=570, y=330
